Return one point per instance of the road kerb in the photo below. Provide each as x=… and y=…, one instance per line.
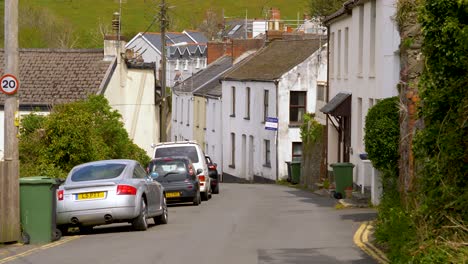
x=361, y=239
x=29, y=252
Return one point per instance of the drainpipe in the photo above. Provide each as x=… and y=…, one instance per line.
x=327, y=99
x=277, y=131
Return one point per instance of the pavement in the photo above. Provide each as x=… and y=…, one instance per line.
x=240, y=239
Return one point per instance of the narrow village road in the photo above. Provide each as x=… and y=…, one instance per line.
x=244, y=224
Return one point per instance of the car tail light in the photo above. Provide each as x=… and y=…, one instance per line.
x=201, y=178
x=126, y=190
x=202, y=184
x=213, y=167
x=60, y=195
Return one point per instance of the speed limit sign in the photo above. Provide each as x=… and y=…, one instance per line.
x=9, y=84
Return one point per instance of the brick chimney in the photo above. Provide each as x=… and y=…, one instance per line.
x=114, y=43
x=234, y=48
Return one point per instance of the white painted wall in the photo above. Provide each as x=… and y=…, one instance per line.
x=367, y=84
x=182, y=116
x=303, y=77
x=131, y=92
x=214, y=135
x=250, y=158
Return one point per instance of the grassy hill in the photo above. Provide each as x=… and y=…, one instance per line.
x=80, y=23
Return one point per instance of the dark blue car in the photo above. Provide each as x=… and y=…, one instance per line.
x=177, y=176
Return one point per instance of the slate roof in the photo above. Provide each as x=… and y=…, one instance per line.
x=197, y=35
x=273, y=60
x=49, y=76
x=173, y=38
x=206, y=82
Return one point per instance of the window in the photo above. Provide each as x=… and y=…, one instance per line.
x=338, y=52
x=359, y=124
x=321, y=92
x=198, y=114
x=233, y=150
x=233, y=101
x=188, y=111
x=267, y=153
x=186, y=65
x=265, y=104
x=346, y=47
x=361, y=39
x=372, y=40
x=247, y=104
x=297, y=106
x=181, y=111
x=198, y=63
x=332, y=55
x=297, y=151
x=177, y=65
x=175, y=110
x=188, y=151
x=175, y=138
x=139, y=172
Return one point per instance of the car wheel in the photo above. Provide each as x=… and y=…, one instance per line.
x=164, y=217
x=216, y=189
x=197, y=199
x=63, y=229
x=140, y=223
x=204, y=196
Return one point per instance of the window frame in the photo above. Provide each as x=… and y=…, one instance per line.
x=266, y=104
x=247, y=105
x=292, y=150
x=267, y=153
x=297, y=106
x=233, y=101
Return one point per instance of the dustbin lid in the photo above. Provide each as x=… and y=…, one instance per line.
x=38, y=180
x=342, y=164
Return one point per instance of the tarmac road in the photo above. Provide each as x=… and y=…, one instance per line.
x=245, y=223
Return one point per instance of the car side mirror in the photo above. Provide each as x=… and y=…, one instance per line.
x=199, y=171
x=154, y=175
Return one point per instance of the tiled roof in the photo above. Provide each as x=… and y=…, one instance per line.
x=273, y=60
x=49, y=76
x=206, y=80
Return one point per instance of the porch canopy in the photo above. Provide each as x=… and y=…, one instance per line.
x=339, y=107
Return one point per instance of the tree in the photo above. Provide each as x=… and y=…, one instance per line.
x=72, y=134
x=324, y=8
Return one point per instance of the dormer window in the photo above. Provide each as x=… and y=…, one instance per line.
x=186, y=65
x=198, y=63
x=177, y=65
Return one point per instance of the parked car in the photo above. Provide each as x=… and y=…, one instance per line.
x=193, y=151
x=109, y=191
x=213, y=173
x=177, y=176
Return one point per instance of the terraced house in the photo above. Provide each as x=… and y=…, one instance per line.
x=278, y=82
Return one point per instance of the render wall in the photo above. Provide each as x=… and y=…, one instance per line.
x=367, y=79
x=213, y=135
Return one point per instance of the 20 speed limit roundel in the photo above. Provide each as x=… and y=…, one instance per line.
x=9, y=84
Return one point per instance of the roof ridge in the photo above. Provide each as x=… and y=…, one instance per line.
x=48, y=50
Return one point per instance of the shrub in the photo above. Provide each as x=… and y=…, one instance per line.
x=382, y=133
x=72, y=134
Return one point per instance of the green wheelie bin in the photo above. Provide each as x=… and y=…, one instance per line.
x=343, y=176
x=37, y=209
x=295, y=172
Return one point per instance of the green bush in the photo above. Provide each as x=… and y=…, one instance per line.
x=382, y=134
x=72, y=134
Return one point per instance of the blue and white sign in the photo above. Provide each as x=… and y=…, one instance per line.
x=271, y=123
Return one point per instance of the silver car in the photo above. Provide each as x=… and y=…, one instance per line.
x=109, y=191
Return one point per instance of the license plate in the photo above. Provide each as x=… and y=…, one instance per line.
x=90, y=195
x=172, y=194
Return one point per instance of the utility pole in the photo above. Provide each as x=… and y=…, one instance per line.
x=9, y=168
x=163, y=105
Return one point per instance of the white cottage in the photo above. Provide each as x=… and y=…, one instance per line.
x=50, y=77
x=185, y=52
x=363, y=68
x=196, y=104
x=279, y=81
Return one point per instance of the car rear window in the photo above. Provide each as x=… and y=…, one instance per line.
x=98, y=172
x=188, y=151
x=172, y=170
